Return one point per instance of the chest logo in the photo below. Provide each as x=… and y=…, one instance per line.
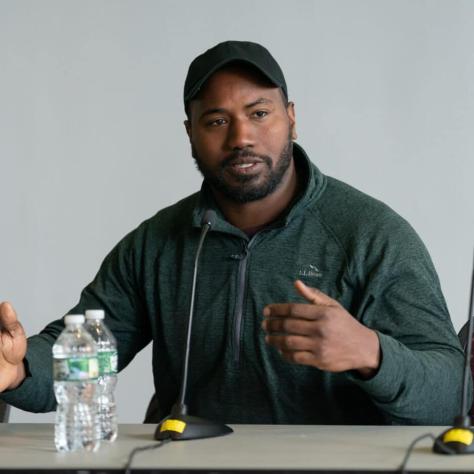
x=310, y=270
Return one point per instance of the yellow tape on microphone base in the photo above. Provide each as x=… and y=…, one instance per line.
x=177, y=426
x=458, y=436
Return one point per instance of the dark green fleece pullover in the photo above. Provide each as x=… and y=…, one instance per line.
x=335, y=238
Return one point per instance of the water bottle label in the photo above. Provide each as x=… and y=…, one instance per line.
x=107, y=362
x=75, y=368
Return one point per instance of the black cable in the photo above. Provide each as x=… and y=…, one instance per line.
x=142, y=448
x=443, y=447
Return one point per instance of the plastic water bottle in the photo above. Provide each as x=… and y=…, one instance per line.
x=107, y=355
x=75, y=371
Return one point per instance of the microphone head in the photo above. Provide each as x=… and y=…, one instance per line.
x=209, y=218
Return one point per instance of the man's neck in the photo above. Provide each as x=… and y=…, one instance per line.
x=263, y=211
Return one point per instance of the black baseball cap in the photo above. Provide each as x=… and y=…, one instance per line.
x=227, y=52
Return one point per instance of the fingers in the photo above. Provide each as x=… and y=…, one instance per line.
x=300, y=357
x=291, y=343
x=313, y=295
x=294, y=310
x=319, y=307
x=8, y=317
x=320, y=333
x=12, y=348
x=300, y=331
x=296, y=349
x=298, y=327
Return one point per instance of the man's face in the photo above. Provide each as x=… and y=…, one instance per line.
x=241, y=134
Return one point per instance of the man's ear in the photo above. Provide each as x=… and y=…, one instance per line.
x=187, y=126
x=290, y=110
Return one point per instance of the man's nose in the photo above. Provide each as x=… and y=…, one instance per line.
x=240, y=135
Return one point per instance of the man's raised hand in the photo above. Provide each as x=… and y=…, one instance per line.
x=12, y=348
x=321, y=333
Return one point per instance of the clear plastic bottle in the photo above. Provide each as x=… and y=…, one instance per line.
x=75, y=371
x=107, y=355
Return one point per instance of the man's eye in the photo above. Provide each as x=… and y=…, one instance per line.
x=216, y=122
x=260, y=113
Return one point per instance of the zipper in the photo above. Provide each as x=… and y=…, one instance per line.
x=239, y=306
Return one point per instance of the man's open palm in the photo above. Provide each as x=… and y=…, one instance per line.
x=12, y=348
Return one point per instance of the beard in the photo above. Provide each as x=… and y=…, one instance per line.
x=249, y=187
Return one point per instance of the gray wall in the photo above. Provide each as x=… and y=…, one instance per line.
x=92, y=142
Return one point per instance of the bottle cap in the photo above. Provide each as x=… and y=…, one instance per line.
x=74, y=319
x=95, y=314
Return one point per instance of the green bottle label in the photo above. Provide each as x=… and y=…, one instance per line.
x=107, y=362
x=76, y=368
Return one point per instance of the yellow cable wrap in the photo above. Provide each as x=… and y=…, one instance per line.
x=459, y=436
x=173, y=425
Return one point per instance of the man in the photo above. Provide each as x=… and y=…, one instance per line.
x=315, y=303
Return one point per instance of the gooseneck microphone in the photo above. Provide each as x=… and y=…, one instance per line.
x=179, y=425
x=460, y=438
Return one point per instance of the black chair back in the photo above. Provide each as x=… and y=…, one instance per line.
x=151, y=415
x=4, y=412
x=463, y=334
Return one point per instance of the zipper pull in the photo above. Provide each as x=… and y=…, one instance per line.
x=240, y=256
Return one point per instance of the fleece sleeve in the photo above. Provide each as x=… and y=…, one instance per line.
x=420, y=377
x=116, y=289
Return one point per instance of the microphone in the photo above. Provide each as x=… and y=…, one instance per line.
x=460, y=438
x=179, y=425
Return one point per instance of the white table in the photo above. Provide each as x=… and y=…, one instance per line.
x=338, y=449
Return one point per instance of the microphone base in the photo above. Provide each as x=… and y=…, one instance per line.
x=183, y=427
x=456, y=440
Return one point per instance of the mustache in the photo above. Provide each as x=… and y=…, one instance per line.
x=240, y=154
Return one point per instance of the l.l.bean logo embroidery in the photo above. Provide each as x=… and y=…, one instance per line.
x=310, y=270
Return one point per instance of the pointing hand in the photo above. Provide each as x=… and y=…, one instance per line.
x=321, y=333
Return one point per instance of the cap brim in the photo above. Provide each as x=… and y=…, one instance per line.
x=198, y=85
